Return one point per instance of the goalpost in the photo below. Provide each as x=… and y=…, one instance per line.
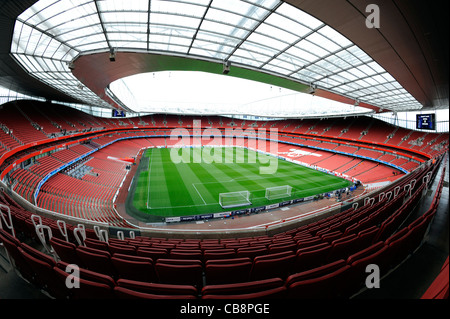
x=278, y=192
x=235, y=199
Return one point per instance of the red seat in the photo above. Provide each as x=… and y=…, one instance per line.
x=377, y=254
x=186, y=254
x=153, y=253
x=92, y=285
x=316, y=272
x=124, y=293
x=243, y=288
x=251, y=252
x=122, y=249
x=264, y=268
x=179, y=274
x=17, y=260
x=157, y=288
x=134, y=269
x=365, y=252
x=274, y=293
x=66, y=251
x=225, y=271
x=43, y=275
x=418, y=230
x=96, y=260
x=397, y=244
x=332, y=235
x=310, y=258
x=367, y=237
x=281, y=247
x=327, y=286
x=343, y=247
x=306, y=242
x=87, y=289
x=210, y=254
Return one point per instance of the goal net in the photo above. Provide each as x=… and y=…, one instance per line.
x=278, y=192
x=234, y=199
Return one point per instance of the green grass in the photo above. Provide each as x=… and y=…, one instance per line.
x=167, y=189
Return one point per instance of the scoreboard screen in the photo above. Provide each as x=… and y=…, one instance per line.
x=116, y=113
x=425, y=122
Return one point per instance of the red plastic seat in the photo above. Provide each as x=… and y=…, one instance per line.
x=186, y=254
x=343, y=247
x=243, y=288
x=264, y=268
x=327, y=286
x=210, y=254
x=92, y=285
x=17, y=260
x=376, y=254
x=179, y=274
x=310, y=258
x=134, y=269
x=122, y=249
x=66, y=251
x=153, y=253
x=124, y=293
x=157, y=288
x=87, y=289
x=43, y=275
x=316, y=272
x=274, y=293
x=96, y=260
x=251, y=252
x=227, y=272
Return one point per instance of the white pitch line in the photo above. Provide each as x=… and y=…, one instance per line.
x=199, y=194
x=149, y=178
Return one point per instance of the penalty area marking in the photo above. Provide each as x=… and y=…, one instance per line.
x=199, y=193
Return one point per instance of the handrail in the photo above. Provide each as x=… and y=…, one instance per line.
x=396, y=191
x=36, y=217
x=40, y=231
x=388, y=196
x=80, y=234
x=101, y=234
x=9, y=222
x=104, y=235
x=63, y=228
x=369, y=200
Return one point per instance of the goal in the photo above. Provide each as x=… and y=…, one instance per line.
x=235, y=199
x=278, y=192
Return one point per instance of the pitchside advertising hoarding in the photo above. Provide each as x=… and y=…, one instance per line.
x=239, y=212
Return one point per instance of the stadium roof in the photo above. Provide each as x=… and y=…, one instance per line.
x=322, y=46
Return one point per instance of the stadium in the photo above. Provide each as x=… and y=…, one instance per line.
x=223, y=149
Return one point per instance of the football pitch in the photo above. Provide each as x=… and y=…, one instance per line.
x=167, y=188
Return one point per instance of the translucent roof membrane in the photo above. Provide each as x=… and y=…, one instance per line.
x=265, y=35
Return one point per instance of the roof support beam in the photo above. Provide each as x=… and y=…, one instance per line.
x=199, y=26
x=289, y=46
x=102, y=25
x=253, y=30
x=148, y=24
